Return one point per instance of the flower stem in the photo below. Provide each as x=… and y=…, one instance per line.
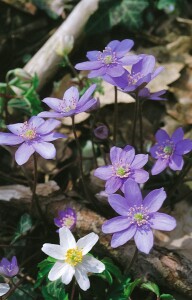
x=73, y=290
x=80, y=158
x=135, y=119
x=115, y=117
x=132, y=261
x=21, y=289
x=92, y=143
x=140, y=125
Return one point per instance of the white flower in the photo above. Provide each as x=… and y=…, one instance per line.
x=4, y=288
x=72, y=259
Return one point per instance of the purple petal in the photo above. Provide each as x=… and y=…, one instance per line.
x=71, y=95
x=127, y=155
x=115, y=154
x=120, y=238
x=183, y=147
x=144, y=240
x=154, y=200
x=53, y=103
x=142, y=82
x=16, y=128
x=88, y=105
x=87, y=94
x=154, y=151
x=159, y=166
x=50, y=114
x=113, y=44
x=89, y=65
x=132, y=193
x=117, y=81
x=23, y=153
x=46, y=150
x=148, y=64
x=36, y=121
x=48, y=126
x=177, y=135
x=161, y=136
x=119, y=204
x=104, y=173
x=157, y=95
x=112, y=185
x=115, y=71
x=162, y=221
x=176, y=162
x=129, y=60
x=52, y=137
x=116, y=224
x=97, y=73
x=140, y=176
x=92, y=55
x=139, y=161
x=123, y=47
x=157, y=71
x=10, y=139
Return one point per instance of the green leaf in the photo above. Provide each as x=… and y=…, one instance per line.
x=167, y=297
x=25, y=224
x=131, y=286
x=163, y=4
x=44, y=266
x=54, y=291
x=151, y=286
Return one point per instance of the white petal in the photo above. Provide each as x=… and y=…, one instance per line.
x=57, y=270
x=93, y=265
x=67, y=239
x=87, y=242
x=68, y=274
x=82, y=279
x=55, y=251
x=4, y=288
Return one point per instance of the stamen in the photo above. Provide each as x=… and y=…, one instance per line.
x=74, y=256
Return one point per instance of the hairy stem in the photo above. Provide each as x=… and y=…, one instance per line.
x=135, y=119
x=115, y=117
x=140, y=125
x=132, y=261
x=73, y=290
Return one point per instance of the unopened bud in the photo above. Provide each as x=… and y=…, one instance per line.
x=101, y=132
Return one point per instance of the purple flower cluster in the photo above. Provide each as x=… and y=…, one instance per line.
x=169, y=150
x=125, y=164
x=9, y=268
x=138, y=217
x=66, y=218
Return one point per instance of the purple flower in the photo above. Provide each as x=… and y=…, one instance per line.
x=141, y=74
x=66, y=218
x=125, y=164
x=101, y=132
x=9, y=268
x=146, y=94
x=169, y=150
x=71, y=104
x=33, y=135
x=137, y=217
x=110, y=62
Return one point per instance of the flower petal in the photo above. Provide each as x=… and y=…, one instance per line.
x=119, y=204
x=87, y=242
x=176, y=162
x=113, y=44
x=154, y=200
x=115, y=71
x=112, y=185
x=86, y=96
x=132, y=193
x=154, y=150
x=48, y=126
x=139, y=161
x=93, y=265
x=50, y=114
x=115, y=154
x=104, y=172
x=35, y=121
x=67, y=275
x=161, y=135
x=92, y=55
x=123, y=47
x=144, y=240
x=89, y=65
x=162, y=221
x=55, y=251
x=57, y=270
x=46, y=150
x=53, y=136
x=183, y=147
x=88, y=105
x=10, y=139
x=177, y=135
x=159, y=166
x=157, y=71
x=140, y=176
x=98, y=72
x=122, y=237
x=23, y=153
x=16, y=128
x=71, y=94
x=128, y=60
x=4, y=288
x=53, y=103
x=67, y=239
x=127, y=155
x=116, y=224
x=82, y=279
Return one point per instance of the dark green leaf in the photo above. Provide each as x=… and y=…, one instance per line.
x=152, y=287
x=130, y=287
x=25, y=224
x=167, y=297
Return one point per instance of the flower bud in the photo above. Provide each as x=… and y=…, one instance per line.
x=101, y=132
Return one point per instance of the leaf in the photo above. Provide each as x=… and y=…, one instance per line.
x=167, y=297
x=164, y=4
x=131, y=286
x=54, y=291
x=25, y=224
x=44, y=266
x=151, y=286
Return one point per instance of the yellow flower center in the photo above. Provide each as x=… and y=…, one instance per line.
x=138, y=217
x=68, y=222
x=30, y=134
x=108, y=59
x=74, y=256
x=121, y=171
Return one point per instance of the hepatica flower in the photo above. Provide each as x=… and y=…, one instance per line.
x=66, y=218
x=147, y=95
x=4, y=288
x=71, y=104
x=34, y=136
x=72, y=258
x=138, y=217
x=124, y=164
x=169, y=150
x=9, y=268
x=110, y=61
